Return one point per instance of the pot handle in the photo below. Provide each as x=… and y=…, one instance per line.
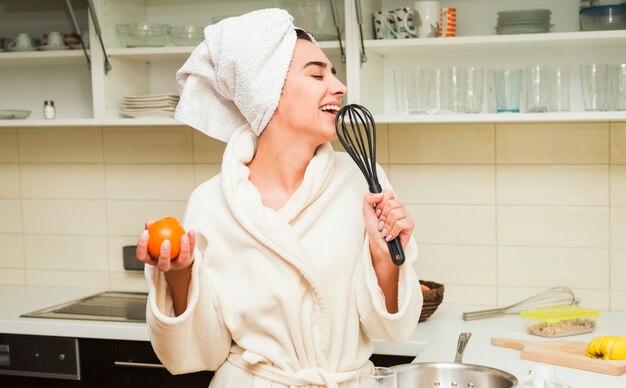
x=460, y=346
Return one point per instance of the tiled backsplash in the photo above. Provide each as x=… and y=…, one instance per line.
x=501, y=210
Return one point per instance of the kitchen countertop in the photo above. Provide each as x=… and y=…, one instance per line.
x=434, y=339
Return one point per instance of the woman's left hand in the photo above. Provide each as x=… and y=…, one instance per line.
x=386, y=218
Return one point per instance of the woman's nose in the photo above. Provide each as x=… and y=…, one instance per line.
x=339, y=88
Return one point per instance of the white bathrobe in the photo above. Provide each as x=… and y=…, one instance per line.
x=280, y=298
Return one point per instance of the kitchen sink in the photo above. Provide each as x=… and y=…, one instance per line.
x=105, y=306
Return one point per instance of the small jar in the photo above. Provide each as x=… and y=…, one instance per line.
x=49, y=112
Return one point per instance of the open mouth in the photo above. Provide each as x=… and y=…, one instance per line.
x=330, y=109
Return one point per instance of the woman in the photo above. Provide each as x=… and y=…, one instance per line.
x=284, y=273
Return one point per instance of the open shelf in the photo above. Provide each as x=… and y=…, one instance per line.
x=553, y=40
x=42, y=58
x=49, y=123
x=170, y=53
x=501, y=117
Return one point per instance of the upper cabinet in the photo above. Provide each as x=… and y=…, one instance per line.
x=151, y=70
x=477, y=45
x=31, y=74
x=91, y=95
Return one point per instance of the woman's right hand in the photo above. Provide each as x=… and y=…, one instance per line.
x=164, y=263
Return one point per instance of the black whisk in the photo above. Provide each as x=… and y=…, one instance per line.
x=357, y=134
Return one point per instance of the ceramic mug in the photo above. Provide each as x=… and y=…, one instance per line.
x=427, y=15
x=382, y=20
x=22, y=41
x=447, y=24
x=55, y=39
x=404, y=26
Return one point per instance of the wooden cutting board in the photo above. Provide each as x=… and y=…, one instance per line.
x=560, y=352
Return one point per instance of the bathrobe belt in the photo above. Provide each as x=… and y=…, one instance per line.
x=257, y=365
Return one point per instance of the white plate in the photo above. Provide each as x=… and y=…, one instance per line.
x=53, y=48
x=148, y=106
x=13, y=114
x=162, y=101
x=151, y=97
x=148, y=113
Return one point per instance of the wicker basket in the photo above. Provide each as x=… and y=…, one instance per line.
x=432, y=298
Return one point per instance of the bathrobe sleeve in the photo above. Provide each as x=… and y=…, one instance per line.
x=197, y=339
x=374, y=317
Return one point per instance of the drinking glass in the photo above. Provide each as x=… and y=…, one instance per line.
x=618, y=82
x=401, y=90
x=536, y=88
x=594, y=83
x=419, y=89
x=436, y=102
x=474, y=89
x=558, y=84
x=490, y=90
x=378, y=377
x=508, y=84
x=454, y=89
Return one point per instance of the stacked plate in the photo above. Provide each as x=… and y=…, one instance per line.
x=526, y=21
x=150, y=105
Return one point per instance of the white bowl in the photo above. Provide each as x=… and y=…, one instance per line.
x=143, y=34
x=186, y=35
x=13, y=114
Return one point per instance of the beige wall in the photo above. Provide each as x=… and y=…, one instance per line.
x=501, y=210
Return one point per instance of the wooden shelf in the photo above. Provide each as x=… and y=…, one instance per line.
x=553, y=40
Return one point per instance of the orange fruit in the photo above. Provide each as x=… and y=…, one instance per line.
x=167, y=228
x=424, y=288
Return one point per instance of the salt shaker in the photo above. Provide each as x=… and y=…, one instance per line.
x=49, y=112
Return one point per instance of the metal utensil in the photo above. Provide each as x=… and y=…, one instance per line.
x=460, y=346
x=356, y=131
x=452, y=374
x=333, y=7
x=556, y=296
x=359, y=19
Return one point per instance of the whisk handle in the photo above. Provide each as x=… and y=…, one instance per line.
x=396, y=251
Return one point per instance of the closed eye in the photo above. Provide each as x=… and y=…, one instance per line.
x=320, y=77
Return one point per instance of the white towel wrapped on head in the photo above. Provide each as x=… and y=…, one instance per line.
x=236, y=75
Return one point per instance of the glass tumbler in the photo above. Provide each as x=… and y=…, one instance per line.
x=618, y=83
x=454, y=89
x=401, y=90
x=436, y=96
x=594, y=80
x=419, y=89
x=474, y=83
x=558, y=85
x=508, y=84
x=378, y=377
x=536, y=88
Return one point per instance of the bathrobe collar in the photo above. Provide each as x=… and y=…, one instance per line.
x=272, y=228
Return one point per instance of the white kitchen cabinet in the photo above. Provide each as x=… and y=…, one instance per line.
x=151, y=70
x=91, y=97
x=476, y=44
x=29, y=78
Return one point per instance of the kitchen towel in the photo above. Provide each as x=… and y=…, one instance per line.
x=235, y=76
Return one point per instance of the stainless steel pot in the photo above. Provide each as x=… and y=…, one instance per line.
x=453, y=374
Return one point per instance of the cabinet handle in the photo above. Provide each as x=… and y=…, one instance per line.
x=130, y=364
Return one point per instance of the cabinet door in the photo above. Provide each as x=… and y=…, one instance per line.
x=106, y=363
x=31, y=75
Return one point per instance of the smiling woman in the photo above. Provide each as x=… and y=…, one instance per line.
x=284, y=272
